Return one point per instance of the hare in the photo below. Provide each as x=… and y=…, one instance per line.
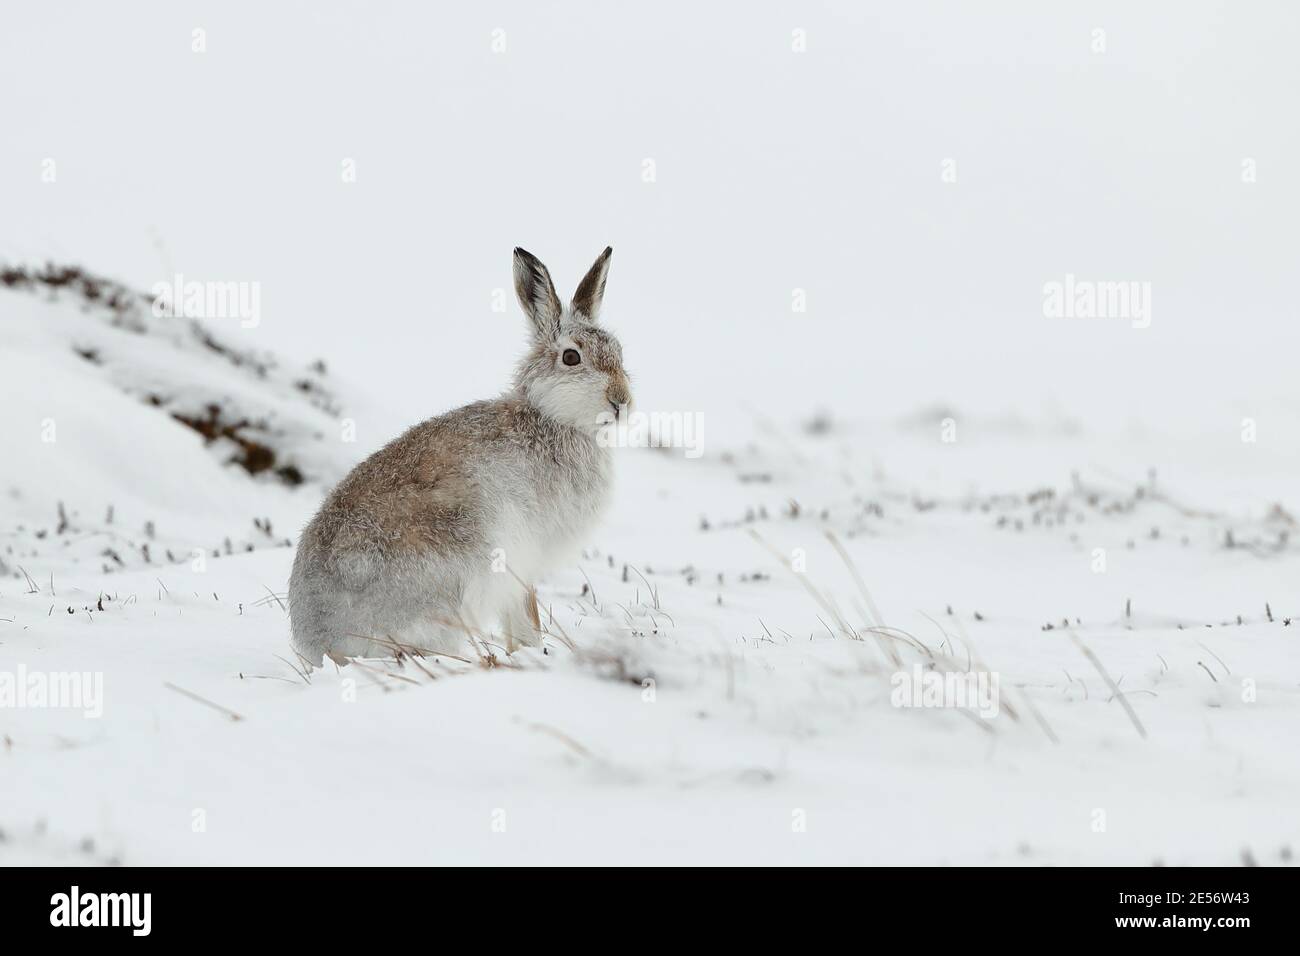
x=445, y=530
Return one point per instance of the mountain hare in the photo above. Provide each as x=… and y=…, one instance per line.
x=445, y=529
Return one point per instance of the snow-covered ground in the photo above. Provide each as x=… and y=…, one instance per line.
x=716, y=684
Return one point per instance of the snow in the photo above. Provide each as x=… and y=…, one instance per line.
x=767, y=734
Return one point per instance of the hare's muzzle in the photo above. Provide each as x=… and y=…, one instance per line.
x=618, y=393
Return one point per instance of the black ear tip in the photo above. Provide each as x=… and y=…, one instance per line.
x=609, y=251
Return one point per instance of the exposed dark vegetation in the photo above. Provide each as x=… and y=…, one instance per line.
x=95, y=290
x=252, y=455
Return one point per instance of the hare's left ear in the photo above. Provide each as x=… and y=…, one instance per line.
x=591, y=290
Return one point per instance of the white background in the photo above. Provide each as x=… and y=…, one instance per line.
x=775, y=171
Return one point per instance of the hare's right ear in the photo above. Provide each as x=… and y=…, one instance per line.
x=537, y=295
x=591, y=290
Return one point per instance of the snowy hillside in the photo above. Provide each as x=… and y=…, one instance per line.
x=131, y=438
x=716, y=683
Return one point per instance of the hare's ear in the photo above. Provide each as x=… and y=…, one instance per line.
x=537, y=295
x=591, y=290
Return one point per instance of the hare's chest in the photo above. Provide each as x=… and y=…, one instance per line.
x=548, y=525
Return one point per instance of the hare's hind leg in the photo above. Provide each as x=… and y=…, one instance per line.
x=430, y=635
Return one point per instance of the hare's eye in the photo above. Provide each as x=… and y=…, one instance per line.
x=571, y=357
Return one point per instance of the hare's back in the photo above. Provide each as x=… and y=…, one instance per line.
x=418, y=495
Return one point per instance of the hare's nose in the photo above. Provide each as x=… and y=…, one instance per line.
x=618, y=394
